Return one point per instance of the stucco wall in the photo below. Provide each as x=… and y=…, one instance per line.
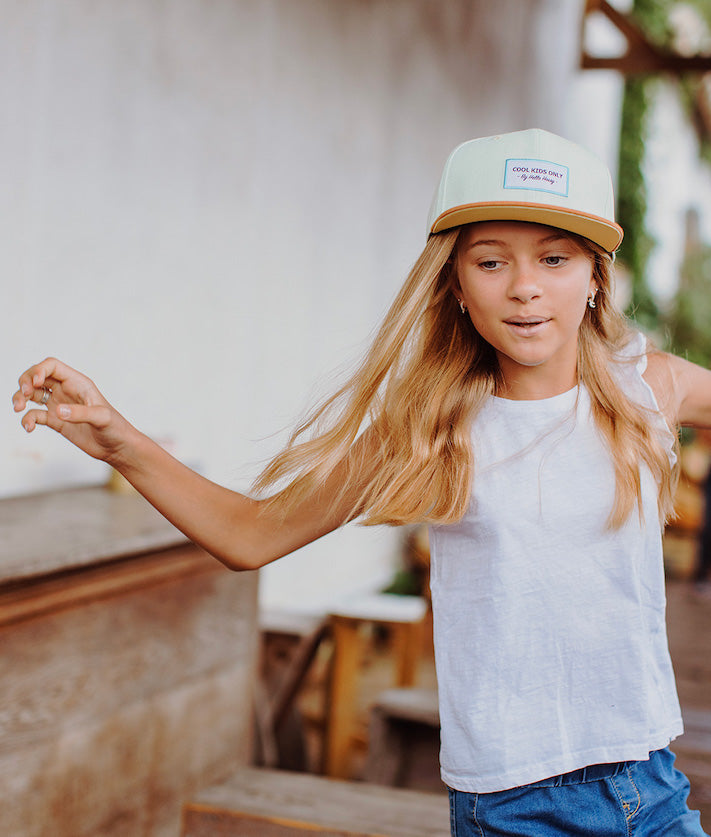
x=207, y=205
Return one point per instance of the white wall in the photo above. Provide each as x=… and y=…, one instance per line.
x=207, y=204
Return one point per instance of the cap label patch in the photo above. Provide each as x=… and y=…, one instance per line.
x=539, y=175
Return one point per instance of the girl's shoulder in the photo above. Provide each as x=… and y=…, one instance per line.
x=648, y=375
x=682, y=388
x=645, y=376
x=658, y=374
x=641, y=370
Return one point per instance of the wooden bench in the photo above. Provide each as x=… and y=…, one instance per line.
x=403, y=617
x=270, y=803
x=404, y=739
x=289, y=644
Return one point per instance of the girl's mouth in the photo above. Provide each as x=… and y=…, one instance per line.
x=527, y=325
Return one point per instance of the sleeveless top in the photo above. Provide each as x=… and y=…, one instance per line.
x=549, y=627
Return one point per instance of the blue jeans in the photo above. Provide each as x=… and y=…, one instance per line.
x=628, y=799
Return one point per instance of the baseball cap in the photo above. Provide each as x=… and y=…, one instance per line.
x=530, y=175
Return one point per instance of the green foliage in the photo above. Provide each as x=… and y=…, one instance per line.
x=687, y=323
x=632, y=200
x=703, y=7
x=689, y=85
x=653, y=18
x=404, y=583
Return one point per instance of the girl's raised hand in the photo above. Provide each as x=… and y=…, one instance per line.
x=70, y=404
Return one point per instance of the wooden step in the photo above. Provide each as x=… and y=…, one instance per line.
x=410, y=704
x=693, y=751
x=697, y=733
x=274, y=803
x=404, y=739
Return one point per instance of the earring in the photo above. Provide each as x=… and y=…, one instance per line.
x=591, y=301
x=462, y=306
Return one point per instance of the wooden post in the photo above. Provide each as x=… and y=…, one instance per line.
x=340, y=705
x=403, y=616
x=407, y=646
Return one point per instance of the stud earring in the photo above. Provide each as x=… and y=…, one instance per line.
x=462, y=306
x=591, y=301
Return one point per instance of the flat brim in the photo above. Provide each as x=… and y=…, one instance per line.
x=606, y=233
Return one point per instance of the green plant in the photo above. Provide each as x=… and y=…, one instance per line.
x=652, y=16
x=687, y=323
x=632, y=200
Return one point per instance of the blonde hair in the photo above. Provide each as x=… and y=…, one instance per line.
x=417, y=391
x=626, y=426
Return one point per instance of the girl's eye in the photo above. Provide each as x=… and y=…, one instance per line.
x=554, y=261
x=489, y=264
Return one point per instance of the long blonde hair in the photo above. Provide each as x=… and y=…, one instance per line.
x=417, y=391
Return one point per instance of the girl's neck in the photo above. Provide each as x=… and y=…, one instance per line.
x=533, y=383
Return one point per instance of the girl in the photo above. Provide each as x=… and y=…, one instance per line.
x=506, y=403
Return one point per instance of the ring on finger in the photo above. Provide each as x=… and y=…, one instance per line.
x=46, y=395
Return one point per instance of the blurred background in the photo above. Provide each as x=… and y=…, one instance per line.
x=208, y=205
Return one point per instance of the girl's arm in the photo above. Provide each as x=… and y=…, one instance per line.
x=682, y=389
x=233, y=528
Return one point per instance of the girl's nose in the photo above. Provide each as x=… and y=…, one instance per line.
x=524, y=286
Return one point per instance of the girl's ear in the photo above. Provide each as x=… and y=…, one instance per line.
x=454, y=285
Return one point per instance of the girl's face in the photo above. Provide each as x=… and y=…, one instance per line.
x=526, y=288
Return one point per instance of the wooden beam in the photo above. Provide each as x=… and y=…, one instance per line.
x=703, y=106
x=641, y=56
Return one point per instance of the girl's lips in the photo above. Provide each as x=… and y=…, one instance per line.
x=526, y=320
x=527, y=326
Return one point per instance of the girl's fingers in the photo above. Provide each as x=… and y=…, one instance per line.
x=39, y=395
x=34, y=378
x=98, y=417
x=34, y=417
x=49, y=370
x=19, y=401
x=64, y=383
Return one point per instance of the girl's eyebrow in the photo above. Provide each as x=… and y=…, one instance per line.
x=493, y=242
x=488, y=242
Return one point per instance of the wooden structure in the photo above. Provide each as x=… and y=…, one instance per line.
x=641, y=56
x=290, y=643
x=403, y=617
x=127, y=664
x=271, y=803
x=404, y=732
x=689, y=628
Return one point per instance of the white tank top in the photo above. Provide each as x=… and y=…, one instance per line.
x=550, y=635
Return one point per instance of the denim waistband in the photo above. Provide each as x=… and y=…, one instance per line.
x=591, y=773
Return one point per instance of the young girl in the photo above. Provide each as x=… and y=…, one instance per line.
x=506, y=403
